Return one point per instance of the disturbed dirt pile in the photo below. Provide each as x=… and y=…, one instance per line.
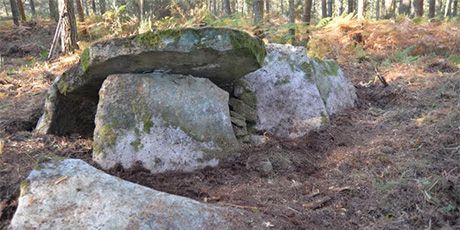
x=392, y=162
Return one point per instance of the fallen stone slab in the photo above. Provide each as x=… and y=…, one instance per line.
x=168, y=122
x=220, y=54
x=292, y=93
x=71, y=194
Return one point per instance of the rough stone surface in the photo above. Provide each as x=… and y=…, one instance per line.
x=71, y=194
x=166, y=121
x=294, y=94
x=205, y=52
x=336, y=90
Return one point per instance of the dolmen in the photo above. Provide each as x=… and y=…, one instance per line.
x=171, y=100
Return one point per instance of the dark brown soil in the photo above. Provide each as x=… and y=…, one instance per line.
x=393, y=162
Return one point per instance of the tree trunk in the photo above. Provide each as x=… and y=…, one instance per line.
x=455, y=8
x=440, y=7
x=360, y=9
x=340, y=7
x=323, y=8
x=404, y=7
x=307, y=11
x=15, y=11
x=267, y=6
x=32, y=7
x=292, y=20
x=81, y=15
x=102, y=4
x=330, y=3
x=93, y=5
x=69, y=27
x=377, y=10
x=227, y=9
x=141, y=10
x=432, y=9
x=85, y=7
x=448, y=10
x=351, y=6
x=258, y=11
x=5, y=5
x=282, y=7
x=418, y=7
x=22, y=13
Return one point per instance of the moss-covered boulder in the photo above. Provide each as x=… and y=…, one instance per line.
x=220, y=54
x=71, y=194
x=165, y=121
x=293, y=93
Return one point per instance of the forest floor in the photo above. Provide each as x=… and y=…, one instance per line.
x=393, y=162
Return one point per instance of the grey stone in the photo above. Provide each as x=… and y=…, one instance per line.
x=294, y=94
x=222, y=55
x=336, y=90
x=71, y=194
x=166, y=121
x=239, y=121
x=238, y=106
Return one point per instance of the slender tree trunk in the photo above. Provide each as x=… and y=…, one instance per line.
x=323, y=8
x=93, y=5
x=102, y=4
x=282, y=7
x=377, y=10
x=455, y=8
x=22, y=13
x=227, y=8
x=69, y=29
x=351, y=6
x=361, y=9
x=15, y=11
x=340, y=7
x=53, y=10
x=330, y=3
x=307, y=11
x=5, y=5
x=447, y=11
x=258, y=11
x=292, y=20
x=267, y=6
x=432, y=9
x=418, y=7
x=440, y=7
x=404, y=7
x=85, y=7
x=81, y=15
x=32, y=7
x=141, y=10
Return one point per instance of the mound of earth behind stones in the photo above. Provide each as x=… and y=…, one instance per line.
x=71, y=194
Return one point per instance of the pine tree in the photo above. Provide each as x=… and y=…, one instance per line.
x=81, y=14
x=15, y=11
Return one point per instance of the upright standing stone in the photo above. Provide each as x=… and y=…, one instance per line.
x=166, y=121
x=294, y=94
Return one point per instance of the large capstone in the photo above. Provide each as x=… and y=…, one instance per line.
x=222, y=55
x=71, y=194
x=165, y=121
x=292, y=94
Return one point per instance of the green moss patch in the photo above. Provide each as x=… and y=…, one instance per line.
x=84, y=59
x=24, y=186
x=241, y=40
